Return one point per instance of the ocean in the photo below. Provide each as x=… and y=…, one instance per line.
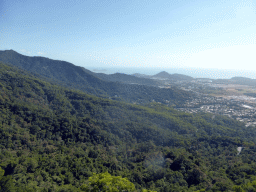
x=193, y=72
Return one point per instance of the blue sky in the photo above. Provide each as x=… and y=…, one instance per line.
x=143, y=33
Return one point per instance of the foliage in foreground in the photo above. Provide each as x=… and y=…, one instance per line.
x=108, y=183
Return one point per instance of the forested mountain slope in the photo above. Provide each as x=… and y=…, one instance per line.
x=76, y=77
x=53, y=139
x=175, y=76
x=124, y=78
x=237, y=80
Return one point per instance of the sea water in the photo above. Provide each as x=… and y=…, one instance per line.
x=193, y=72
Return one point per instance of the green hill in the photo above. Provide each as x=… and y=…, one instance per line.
x=173, y=77
x=124, y=78
x=53, y=139
x=69, y=75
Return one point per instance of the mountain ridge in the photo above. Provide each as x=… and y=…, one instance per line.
x=85, y=80
x=55, y=138
x=175, y=76
x=124, y=78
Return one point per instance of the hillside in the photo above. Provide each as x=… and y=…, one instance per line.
x=69, y=75
x=163, y=75
x=124, y=78
x=53, y=139
x=237, y=80
x=173, y=77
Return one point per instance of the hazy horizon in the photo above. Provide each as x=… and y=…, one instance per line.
x=146, y=34
x=212, y=73
x=193, y=72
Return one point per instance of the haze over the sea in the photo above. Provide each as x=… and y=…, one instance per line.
x=193, y=72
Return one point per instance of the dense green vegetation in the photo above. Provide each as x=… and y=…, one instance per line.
x=124, y=78
x=69, y=75
x=106, y=182
x=54, y=139
x=173, y=77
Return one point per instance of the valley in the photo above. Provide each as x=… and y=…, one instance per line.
x=231, y=98
x=127, y=96
x=62, y=126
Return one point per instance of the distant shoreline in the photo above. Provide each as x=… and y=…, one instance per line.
x=193, y=72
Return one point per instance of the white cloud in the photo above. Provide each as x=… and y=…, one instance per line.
x=40, y=53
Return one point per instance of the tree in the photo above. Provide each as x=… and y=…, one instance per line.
x=107, y=183
x=6, y=182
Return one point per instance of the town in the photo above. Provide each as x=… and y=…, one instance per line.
x=218, y=97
